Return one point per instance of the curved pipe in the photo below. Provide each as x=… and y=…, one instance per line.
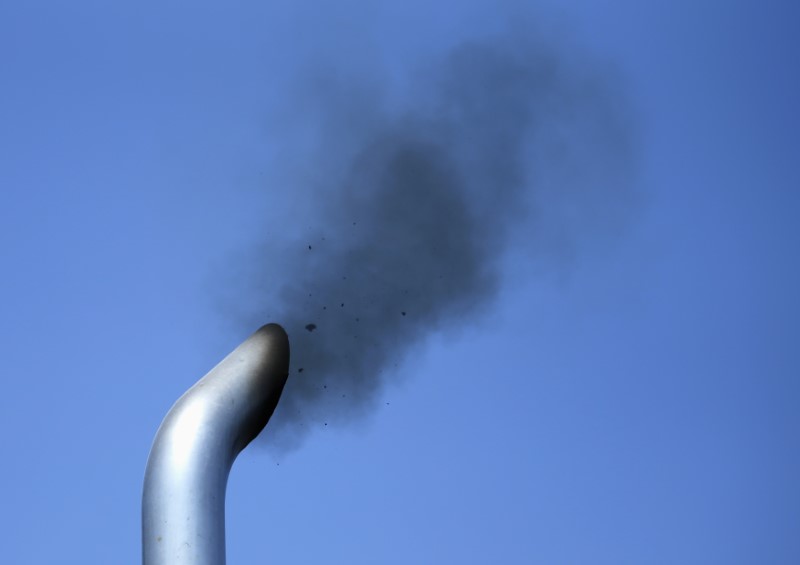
x=183, y=505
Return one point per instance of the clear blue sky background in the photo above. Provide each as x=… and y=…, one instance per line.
x=636, y=406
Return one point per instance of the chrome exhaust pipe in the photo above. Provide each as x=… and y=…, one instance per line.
x=183, y=504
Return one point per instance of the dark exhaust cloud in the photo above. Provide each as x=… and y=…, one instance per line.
x=498, y=145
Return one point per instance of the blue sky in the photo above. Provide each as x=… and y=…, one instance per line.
x=634, y=404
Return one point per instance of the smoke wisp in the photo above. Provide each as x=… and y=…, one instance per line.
x=414, y=203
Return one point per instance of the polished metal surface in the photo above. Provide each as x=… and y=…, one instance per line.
x=183, y=505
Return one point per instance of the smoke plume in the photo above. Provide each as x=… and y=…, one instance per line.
x=414, y=201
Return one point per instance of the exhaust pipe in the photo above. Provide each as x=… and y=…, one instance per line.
x=183, y=505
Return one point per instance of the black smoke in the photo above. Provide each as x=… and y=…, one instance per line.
x=414, y=201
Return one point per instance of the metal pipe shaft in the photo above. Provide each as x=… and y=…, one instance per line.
x=183, y=505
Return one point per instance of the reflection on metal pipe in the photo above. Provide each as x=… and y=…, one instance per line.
x=183, y=506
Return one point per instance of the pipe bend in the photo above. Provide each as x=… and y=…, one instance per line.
x=183, y=503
